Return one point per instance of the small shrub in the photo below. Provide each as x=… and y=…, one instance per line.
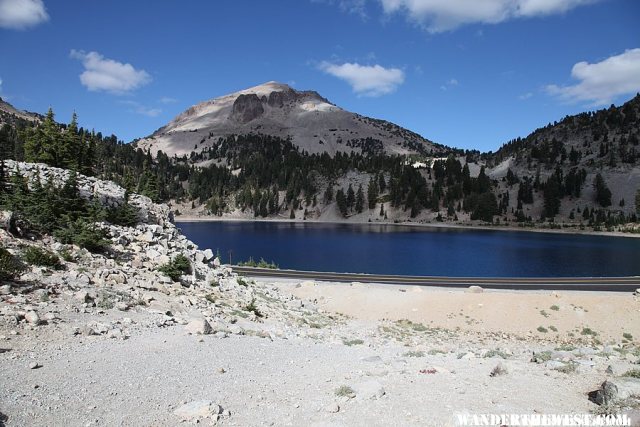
x=211, y=298
x=352, y=342
x=84, y=234
x=554, y=308
x=498, y=370
x=414, y=354
x=177, y=267
x=567, y=368
x=544, y=313
x=10, y=266
x=496, y=353
x=260, y=264
x=124, y=214
x=418, y=327
x=634, y=373
x=541, y=357
x=565, y=347
x=242, y=282
x=553, y=328
x=588, y=331
x=66, y=255
x=627, y=336
x=542, y=329
x=41, y=257
x=345, y=391
x=252, y=308
x=435, y=352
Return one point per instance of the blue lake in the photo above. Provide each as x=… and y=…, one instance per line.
x=406, y=250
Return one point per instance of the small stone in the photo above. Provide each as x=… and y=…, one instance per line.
x=199, y=327
x=208, y=254
x=32, y=317
x=116, y=334
x=82, y=296
x=122, y=306
x=369, y=390
x=332, y=408
x=474, y=290
x=221, y=370
x=34, y=365
x=50, y=317
x=198, y=409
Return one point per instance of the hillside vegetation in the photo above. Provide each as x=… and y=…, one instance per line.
x=581, y=173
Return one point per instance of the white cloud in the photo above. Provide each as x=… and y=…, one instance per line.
x=136, y=107
x=443, y=15
x=366, y=80
x=525, y=96
x=449, y=84
x=20, y=14
x=105, y=74
x=357, y=7
x=601, y=82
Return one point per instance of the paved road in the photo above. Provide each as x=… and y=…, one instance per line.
x=613, y=284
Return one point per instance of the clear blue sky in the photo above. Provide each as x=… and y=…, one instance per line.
x=469, y=74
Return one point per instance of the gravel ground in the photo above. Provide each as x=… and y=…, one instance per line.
x=142, y=380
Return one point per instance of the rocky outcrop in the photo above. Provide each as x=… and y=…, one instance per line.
x=106, y=193
x=209, y=298
x=247, y=108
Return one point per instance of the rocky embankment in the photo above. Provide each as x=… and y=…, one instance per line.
x=108, y=339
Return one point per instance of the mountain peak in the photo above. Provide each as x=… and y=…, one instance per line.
x=312, y=123
x=268, y=87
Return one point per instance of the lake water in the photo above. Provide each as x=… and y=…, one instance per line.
x=405, y=250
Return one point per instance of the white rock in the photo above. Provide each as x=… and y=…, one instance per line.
x=208, y=254
x=474, y=290
x=369, y=390
x=32, y=317
x=145, y=237
x=332, y=408
x=82, y=296
x=198, y=409
x=199, y=327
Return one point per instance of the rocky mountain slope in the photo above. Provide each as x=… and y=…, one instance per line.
x=312, y=122
x=8, y=114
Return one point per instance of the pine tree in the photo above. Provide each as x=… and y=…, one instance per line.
x=341, y=201
x=372, y=193
x=552, y=194
x=603, y=194
x=382, y=184
x=351, y=197
x=328, y=194
x=360, y=199
x=4, y=189
x=43, y=143
x=70, y=148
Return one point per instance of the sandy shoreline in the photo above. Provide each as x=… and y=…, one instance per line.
x=188, y=218
x=514, y=312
